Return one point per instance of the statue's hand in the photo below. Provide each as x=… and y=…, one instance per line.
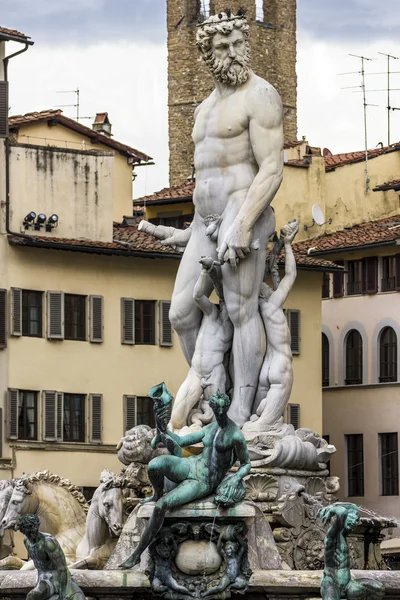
x=289, y=231
x=180, y=238
x=236, y=243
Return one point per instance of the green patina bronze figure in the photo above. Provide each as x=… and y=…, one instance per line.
x=197, y=476
x=342, y=518
x=54, y=579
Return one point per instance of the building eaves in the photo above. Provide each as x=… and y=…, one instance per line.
x=363, y=236
x=128, y=241
x=389, y=185
x=13, y=35
x=332, y=161
x=56, y=116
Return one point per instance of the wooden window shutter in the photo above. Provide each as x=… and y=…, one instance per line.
x=60, y=415
x=293, y=317
x=55, y=315
x=128, y=321
x=95, y=418
x=3, y=109
x=12, y=414
x=293, y=415
x=16, y=311
x=370, y=275
x=96, y=319
x=398, y=272
x=3, y=319
x=338, y=281
x=165, y=328
x=49, y=410
x=130, y=417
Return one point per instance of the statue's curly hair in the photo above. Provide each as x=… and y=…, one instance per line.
x=28, y=523
x=221, y=23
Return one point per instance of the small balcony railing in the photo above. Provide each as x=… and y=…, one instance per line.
x=354, y=287
x=388, y=284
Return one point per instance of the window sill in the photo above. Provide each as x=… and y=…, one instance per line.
x=361, y=385
x=63, y=446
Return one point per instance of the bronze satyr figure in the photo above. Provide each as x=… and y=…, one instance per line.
x=54, y=579
x=197, y=476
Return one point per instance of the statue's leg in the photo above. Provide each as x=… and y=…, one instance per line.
x=329, y=589
x=368, y=589
x=176, y=470
x=215, y=382
x=41, y=591
x=241, y=290
x=185, y=315
x=273, y=405
x=220, y=587
x=188, y=396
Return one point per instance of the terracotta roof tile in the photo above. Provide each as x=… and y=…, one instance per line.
x=394, y=184
x=137, y=242
x=13, y=33
x=183, y=190
x=57, y=116
x=339, y=160
x=379, y=232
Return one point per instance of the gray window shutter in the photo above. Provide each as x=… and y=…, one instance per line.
x=55, y=315
x=60, y=415
x=165, y=328
x=12, y=414
x=3, y=319
x=128, y=320
x=16, y=311
x=129, y=412
x=3, y=109
x=294, y=415
x=96, y=319
x=50, y=409
x=293, y=317
x=95, y=418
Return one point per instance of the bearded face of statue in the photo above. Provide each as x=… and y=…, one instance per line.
x=229, y=61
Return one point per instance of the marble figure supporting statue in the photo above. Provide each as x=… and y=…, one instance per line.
x=197, y=476
x=54, y=579
x=342, y=518
x=238, y=137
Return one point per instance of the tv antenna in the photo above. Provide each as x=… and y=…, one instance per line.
x=365, y=105
x=76, y=105
x=389, y=108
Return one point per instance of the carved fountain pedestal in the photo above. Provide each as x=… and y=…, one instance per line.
x=201, y=548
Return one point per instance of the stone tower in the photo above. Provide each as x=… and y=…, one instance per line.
x=273, y=42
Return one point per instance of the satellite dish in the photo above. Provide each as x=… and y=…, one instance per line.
x=318, y=217
x=317, y=214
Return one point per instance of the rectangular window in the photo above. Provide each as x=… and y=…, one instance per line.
x=74, y=418
x=389, y=455
x=355, y=464
x=32, y=310
x=27, y=415
x=354, y=277
x=145, y=411
x=145, y=322
x=388, y=281
x=325, y=285
x=75, y=317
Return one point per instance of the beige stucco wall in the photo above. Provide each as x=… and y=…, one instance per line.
x=75, y=185
x=113, y=369
x=369, y=410
x=184, y=208
x=57, y=135
x=2, y=55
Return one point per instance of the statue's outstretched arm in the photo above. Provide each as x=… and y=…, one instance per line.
x=280, y=295
x=187, y=440
x=169, y=236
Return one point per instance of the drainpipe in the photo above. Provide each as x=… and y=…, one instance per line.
x=7, y=150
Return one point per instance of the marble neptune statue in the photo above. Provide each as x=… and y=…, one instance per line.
x=238, y=139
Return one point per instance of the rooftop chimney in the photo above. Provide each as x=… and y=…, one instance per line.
x=102, y=124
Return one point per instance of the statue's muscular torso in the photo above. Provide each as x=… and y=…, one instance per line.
x=224, y=160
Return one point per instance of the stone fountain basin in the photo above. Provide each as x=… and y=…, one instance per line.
x=121, y=585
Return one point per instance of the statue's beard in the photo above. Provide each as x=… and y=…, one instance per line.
x=230, y=71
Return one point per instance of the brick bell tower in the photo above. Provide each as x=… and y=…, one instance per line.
x=273, y=44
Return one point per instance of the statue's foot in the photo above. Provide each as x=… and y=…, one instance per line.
x=150, y=499
x=130, y=562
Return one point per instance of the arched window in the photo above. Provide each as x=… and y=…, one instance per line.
x=354, y=358
x=388, y=355
x=325, y=361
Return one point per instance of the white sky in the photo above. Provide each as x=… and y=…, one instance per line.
x=129, y=80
